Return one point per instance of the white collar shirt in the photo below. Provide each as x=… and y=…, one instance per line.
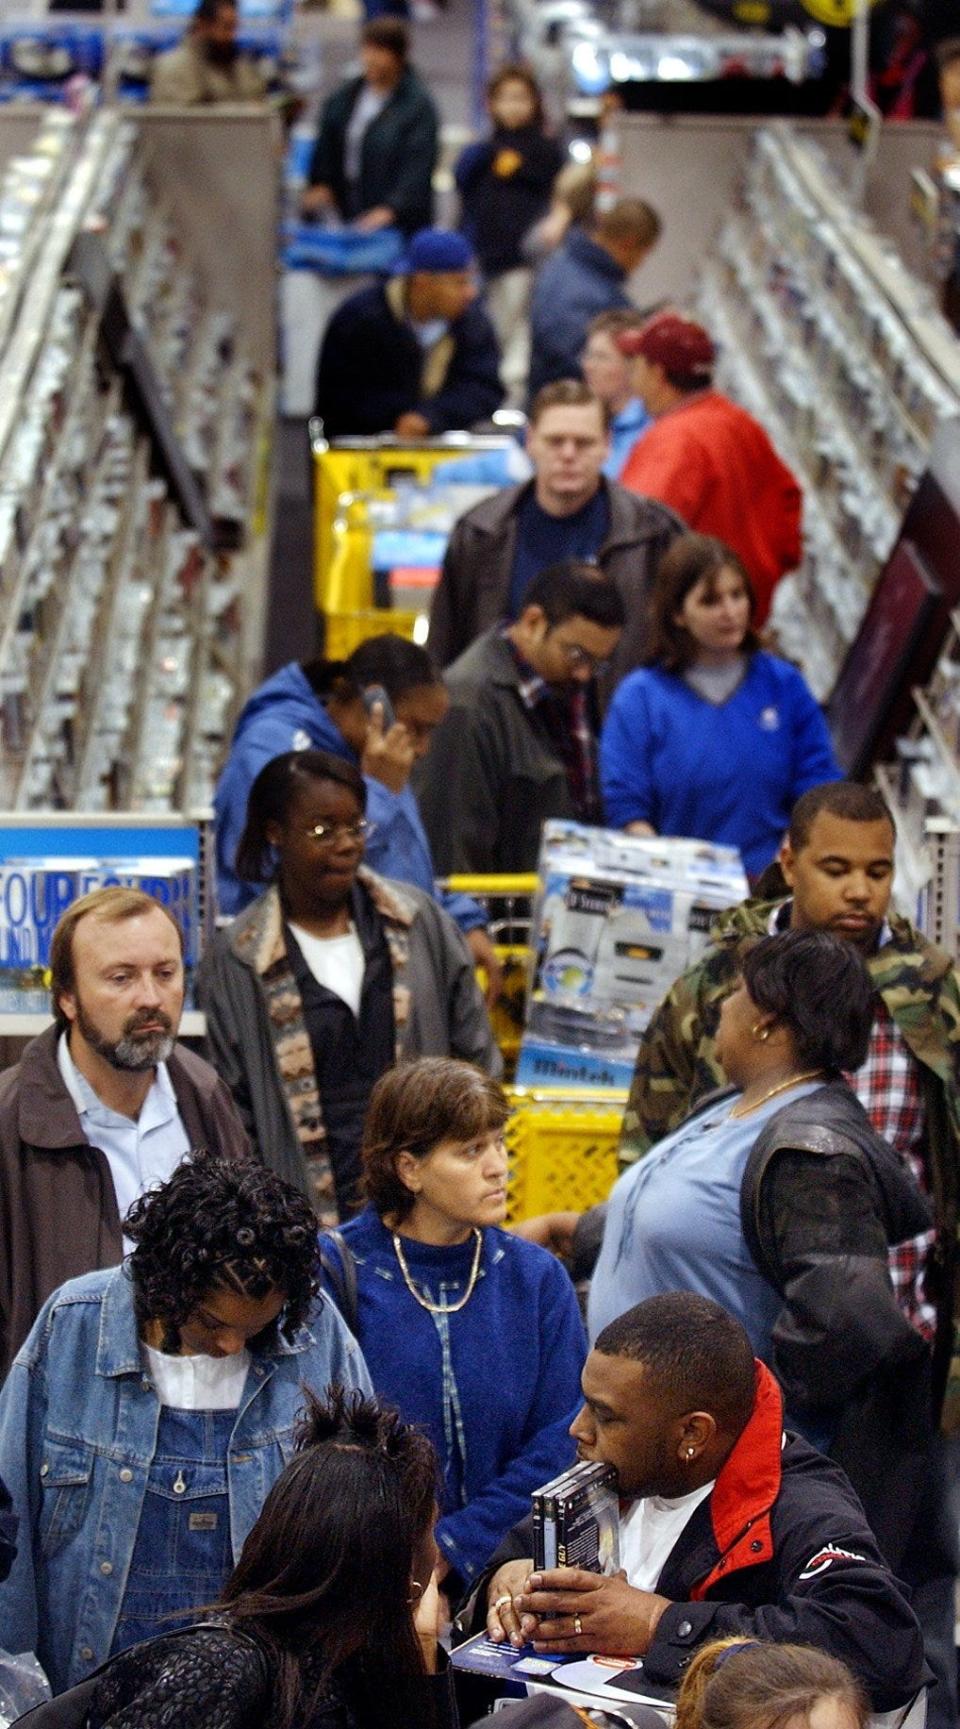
x=140, y=1152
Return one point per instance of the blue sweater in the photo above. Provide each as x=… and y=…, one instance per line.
x=286, y=714
x=727, y=772
x=495, y=1386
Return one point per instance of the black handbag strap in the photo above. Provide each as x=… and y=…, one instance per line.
x=71, y=1710
x=341, y=1272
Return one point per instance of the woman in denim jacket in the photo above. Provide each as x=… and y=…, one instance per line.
x=153, y=1406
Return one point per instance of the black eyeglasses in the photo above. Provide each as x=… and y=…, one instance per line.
x=327, y=833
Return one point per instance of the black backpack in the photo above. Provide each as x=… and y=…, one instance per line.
x=71, y=1710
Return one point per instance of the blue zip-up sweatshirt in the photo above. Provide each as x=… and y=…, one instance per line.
x=728, y=772
x=495, y=1385
x=78, y=1429
x=286, y=714
x=576, y=282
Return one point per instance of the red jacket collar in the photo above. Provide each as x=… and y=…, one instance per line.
x=746, y=1489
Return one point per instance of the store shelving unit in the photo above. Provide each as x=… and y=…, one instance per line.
x=133, y=436
x=840, y=351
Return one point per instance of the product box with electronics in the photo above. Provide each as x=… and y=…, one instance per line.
x=617, y=919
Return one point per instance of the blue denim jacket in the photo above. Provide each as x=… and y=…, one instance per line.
x=78, y=1427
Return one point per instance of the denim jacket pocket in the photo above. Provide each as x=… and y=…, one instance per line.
x=66, y=1468
x=188, y=1481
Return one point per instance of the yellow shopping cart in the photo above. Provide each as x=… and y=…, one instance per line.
x=563, y=1149
x=346, y=477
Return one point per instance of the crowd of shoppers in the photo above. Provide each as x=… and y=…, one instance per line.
x=194, y=1253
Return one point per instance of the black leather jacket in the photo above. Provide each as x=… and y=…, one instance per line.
x=822, y=1198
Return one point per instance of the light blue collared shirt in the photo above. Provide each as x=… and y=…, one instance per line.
x=139, y=1153
x=625, y=429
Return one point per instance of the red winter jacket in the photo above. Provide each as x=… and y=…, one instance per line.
x=712, y=463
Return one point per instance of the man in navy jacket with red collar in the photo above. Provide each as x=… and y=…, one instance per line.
x=728, y=1526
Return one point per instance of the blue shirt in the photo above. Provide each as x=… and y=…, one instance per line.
x=673, y=1223
x=728, y=772
x=625, y=429
x=495, y=1386
x=543, y=540
x=78, y=1433
x=140, y=1151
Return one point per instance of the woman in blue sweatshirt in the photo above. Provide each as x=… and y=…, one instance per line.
x=474, y=1334
x=715, y=739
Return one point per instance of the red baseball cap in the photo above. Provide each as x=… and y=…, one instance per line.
x=682, y=347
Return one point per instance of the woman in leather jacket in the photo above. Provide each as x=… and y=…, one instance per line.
x=777, y=1199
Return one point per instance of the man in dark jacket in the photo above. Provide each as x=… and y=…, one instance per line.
x=732, y=1528
x=415, y=355
x=568, y=511
x=587, y=274
x=518, y=744
x=102, y=1105
x=377, y=143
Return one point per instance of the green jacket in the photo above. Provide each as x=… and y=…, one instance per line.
x=677, y=1065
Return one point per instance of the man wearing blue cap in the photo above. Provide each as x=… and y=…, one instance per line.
x=413, y=355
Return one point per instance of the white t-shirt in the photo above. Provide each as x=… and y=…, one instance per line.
x=337, y=963
x=649, y=1531
x=368, y=105
x=197, y=1383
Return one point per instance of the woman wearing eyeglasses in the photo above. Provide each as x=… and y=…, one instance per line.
x=328, y=979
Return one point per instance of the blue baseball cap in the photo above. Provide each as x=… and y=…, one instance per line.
x=435, y=250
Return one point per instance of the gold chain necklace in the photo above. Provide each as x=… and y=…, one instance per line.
x=441, y=1308
x=794, y=1081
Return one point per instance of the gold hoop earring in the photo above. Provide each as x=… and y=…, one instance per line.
x=418, y=1588
x=760, y=1033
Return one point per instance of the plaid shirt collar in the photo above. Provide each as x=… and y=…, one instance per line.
x=568, y=719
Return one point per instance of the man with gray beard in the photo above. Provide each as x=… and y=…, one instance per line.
x=101, y=1106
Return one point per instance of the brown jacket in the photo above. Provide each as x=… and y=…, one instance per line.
x=474, y=586
x=58, y=1208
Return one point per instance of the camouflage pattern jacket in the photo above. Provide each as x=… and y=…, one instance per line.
x=677, y=1065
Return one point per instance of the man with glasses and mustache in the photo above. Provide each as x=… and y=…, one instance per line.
x=518, y=745
x=103, y=1105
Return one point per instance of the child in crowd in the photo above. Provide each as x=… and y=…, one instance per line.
x=505, y=183
x=747, y=1684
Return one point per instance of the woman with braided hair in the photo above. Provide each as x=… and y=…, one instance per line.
x=152, y=1407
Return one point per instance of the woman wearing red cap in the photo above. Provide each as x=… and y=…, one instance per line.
x=714, y=739
x=708, y=458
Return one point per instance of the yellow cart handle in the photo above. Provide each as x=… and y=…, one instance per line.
x=527, y=884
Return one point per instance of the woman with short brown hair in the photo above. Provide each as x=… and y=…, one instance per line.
x=472, y=1333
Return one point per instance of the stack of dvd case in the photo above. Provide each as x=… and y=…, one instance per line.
x=576, y=1520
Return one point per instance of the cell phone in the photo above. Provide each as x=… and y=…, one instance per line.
x=375, y=693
